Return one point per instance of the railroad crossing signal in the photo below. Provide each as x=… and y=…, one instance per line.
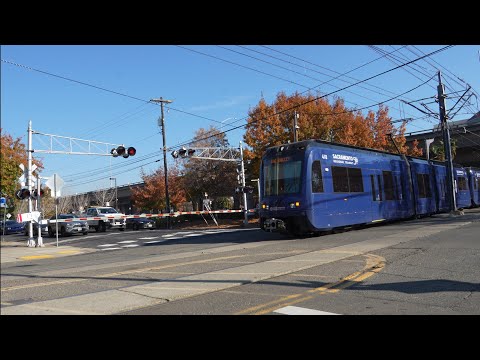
x=37, y=193
x=121, y=151
x=239, y=174
x=22, y=194
x=183, y=153
x=244, y=189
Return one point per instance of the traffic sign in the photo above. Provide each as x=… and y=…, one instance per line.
x=3, y=202
x=31, y=216
x=55, y=183
x=24, y=177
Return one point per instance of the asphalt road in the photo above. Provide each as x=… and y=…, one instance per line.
x=426, y=266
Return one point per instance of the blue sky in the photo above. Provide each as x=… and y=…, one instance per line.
x=211, y=85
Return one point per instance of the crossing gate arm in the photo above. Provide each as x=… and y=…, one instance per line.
x=175, y=214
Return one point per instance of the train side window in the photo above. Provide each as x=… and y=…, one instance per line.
x=340, y=179
x=380, y=190
x=421, y=186
x=400, y=194
x=355, y=179
x=426, y=181
x=388, y=184
x=442, y=189
x=462, y=183
x=374, y=193
x=347, y=179
x=317, y=181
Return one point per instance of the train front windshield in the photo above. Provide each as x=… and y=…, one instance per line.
x=282, y=176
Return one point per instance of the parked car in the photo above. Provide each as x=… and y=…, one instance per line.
x=109, y=218
x=44, y=228
x=68, y=228
x=12, y=227
x=140, y=223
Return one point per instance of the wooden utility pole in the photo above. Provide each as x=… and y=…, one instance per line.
x=446, y=144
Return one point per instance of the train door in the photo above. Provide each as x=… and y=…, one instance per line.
x=463, y=196
x=475, y=186
x=377, y=196
x=318, y=199
x=440, y=188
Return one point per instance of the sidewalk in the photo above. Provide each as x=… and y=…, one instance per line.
x=19, y=251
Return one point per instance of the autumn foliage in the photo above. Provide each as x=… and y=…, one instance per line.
x=270, y=125
x=151, y=197
x=13, y=153
x=214, y=177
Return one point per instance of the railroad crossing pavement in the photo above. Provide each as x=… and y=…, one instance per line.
x=12, y=251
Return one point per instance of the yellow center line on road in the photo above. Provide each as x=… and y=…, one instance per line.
x=374, y=264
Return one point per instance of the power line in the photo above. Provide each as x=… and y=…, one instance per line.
x=296, y=72
x=333, y=92
x=359, y=82
x=103, y=89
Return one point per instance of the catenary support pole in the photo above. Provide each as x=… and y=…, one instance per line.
x=446, y=144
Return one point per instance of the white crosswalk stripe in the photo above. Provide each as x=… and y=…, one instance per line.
x=166, y=237
x=295, y=310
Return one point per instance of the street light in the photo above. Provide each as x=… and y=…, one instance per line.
x=116, y=195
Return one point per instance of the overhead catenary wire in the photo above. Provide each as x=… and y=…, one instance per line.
x=346, y=87
x=308, y=76
x=353, y=110
x=446, y=75
x=333, y=92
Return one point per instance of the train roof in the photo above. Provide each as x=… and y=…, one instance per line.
x=314, y=142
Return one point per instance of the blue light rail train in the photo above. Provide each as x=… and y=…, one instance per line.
x=314, y=186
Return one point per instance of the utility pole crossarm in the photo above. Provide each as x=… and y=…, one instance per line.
x=57, y=144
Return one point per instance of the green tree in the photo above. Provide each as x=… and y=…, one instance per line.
x=437, y=149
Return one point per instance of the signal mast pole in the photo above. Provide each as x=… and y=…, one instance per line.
x=28, y=173
x=31, y=240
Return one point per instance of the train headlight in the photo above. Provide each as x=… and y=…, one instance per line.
x=294, y=205
x=265, y=206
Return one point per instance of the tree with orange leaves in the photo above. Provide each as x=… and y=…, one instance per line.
x=151, y=197
x=271, y=125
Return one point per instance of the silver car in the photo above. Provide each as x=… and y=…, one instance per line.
x=68, y=227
